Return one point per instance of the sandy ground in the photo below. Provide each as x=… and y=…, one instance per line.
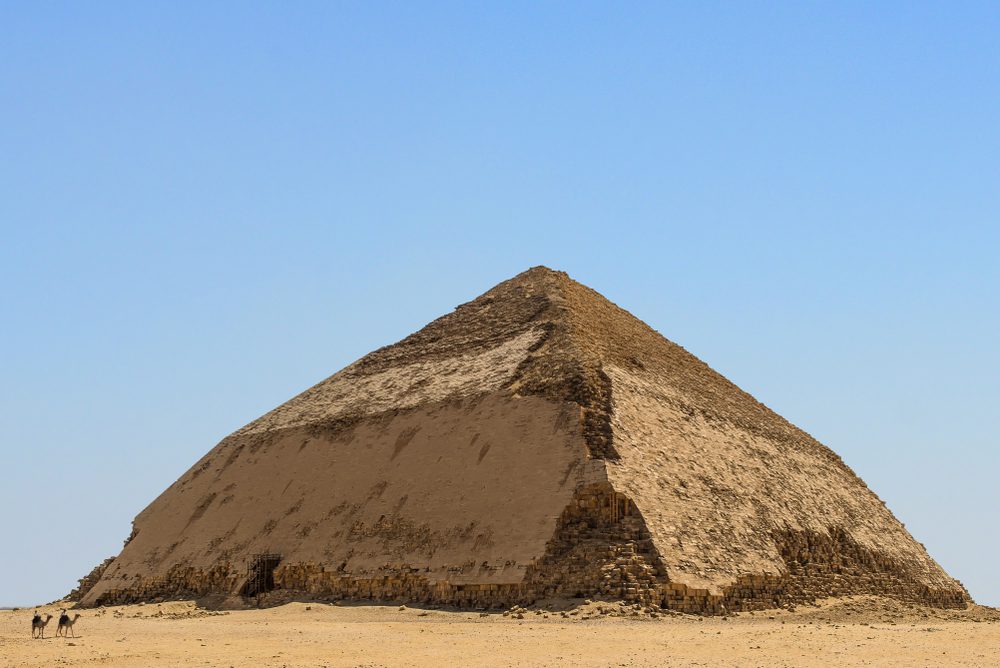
x=856, y=632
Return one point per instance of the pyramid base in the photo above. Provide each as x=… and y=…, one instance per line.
x=601, y=549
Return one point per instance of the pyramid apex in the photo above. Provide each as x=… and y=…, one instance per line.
x=542, y=269
x=539, y=279
x=539, y=272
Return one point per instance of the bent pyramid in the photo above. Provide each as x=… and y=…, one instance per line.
x=536, y=442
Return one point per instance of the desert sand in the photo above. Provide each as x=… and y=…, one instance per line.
x=841, y=632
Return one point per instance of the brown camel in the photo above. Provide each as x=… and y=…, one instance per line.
x=38, y=624
x=65, y=623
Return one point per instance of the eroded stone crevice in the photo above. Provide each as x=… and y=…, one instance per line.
x=180, y=582
x=87, y=582
x=817, y=565
x=601, y=547
x=593, y=393
x=834, y=564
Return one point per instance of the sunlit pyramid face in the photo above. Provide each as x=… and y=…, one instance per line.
x=538, y=441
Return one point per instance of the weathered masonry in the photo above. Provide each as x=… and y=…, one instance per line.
x=537, y=442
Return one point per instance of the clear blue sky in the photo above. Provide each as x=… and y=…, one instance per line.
x=207, y=207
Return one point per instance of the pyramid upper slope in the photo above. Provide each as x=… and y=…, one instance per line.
x=539, y=333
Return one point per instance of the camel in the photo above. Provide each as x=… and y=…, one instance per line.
x=38, y=624
x=65, y=623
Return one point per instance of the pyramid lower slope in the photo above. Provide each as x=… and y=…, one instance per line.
x=538, y=441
